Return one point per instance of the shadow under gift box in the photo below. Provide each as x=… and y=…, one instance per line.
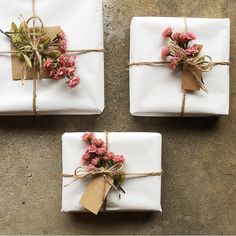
x=82, y=23
x=156, y=90
x=142, y=152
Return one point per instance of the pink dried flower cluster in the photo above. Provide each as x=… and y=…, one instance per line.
x=62, y=41
x=62, y=66
x=182, y=40
x=96, y=155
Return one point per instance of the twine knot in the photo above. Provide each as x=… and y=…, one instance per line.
x=82, y=172
x=201, y=63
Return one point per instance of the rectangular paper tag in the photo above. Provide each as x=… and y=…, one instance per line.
x=95, y=193
x=17, y=64
x=188, y=82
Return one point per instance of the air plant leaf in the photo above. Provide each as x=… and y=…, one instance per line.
x=45, y=41
x=16, y=39
x=41, y=47
x=14, y=27
x=27, y=60
x=53, y=53
x=25, y=48
x=122, y=178
x=21, y=27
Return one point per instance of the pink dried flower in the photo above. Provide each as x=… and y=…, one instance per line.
x=95, y=161
x=61, y=72
x=92, y=149
x=63, y=59
x=165, y=52
x=71, y=61
x=68, y=61
x=178, y=37
x=47, y=65
x=73, y=82
x=167, y=32
x=61, y=35
x=119, y=158
x=88, y=136
x=192, y=51
x=101, y=151
x=52, y=73
x=91, y=167
x=71, y=71
x=110, y=155
x=189, y=36
x=174, y=62
x=63, y=45
x=98, y=142
x=86, y=156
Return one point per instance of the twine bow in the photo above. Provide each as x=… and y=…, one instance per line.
x=195, y=64
x=33, y=37
x=82, y=172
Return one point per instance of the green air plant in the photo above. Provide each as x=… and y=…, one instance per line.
x=32, y=45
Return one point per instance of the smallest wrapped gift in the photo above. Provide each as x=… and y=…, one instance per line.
x=111, y=172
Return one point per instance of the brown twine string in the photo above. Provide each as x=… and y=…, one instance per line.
x=81, y=172
x=156, y=63
x=200, y=63
x=84, y=51
x=35, y=48
x=104, y=206
x=79, y=51
x=34, y=78
x=184, y=91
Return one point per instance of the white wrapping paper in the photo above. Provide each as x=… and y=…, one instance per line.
x=156, y=90
x=82, y=22
x=142, y=153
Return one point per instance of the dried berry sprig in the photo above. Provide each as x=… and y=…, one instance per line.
x=97, y=156
x=184, y=42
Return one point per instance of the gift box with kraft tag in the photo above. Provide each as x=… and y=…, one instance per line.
x=142, y=153
x=82, y=22
x=156, y=90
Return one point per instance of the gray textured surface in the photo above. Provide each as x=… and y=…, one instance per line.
x=198, y=191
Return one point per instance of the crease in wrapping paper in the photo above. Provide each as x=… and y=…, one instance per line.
x=18, y=64
x=96, y=192
x=190, y=83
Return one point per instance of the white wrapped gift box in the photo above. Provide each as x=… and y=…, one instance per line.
x=156, y=90
x=142, y=152
x=82, y=22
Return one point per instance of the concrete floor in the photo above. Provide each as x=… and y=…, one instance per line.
x=199, y=154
